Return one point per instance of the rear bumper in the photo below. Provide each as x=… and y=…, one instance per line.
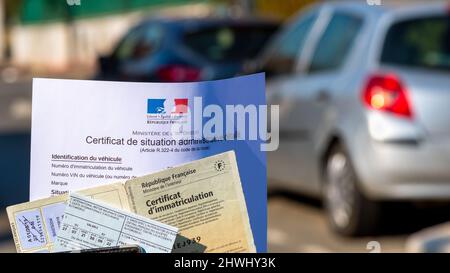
x=407, y=169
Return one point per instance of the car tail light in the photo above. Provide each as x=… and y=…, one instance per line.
x=387, y=93
x=178, y=73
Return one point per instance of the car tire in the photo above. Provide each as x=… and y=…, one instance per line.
x=349, y=211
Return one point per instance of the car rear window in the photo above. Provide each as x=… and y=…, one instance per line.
x=423, y=43
x=229, y=43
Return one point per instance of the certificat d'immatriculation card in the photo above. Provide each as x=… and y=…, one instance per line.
x=203, y=198
x=88, y=224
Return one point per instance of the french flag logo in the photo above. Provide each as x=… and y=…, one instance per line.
x=181, y=106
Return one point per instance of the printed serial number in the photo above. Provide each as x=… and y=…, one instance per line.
x=187, y=242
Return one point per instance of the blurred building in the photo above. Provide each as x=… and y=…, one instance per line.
x=57, y=35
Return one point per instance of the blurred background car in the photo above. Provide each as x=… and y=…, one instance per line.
x=180, y=50
x=364, y=107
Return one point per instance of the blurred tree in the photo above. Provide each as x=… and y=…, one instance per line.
x=12, y=9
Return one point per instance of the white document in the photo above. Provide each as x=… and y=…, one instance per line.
x=91, y=224
x=87, y=133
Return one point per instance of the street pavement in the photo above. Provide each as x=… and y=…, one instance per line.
x=298, y=224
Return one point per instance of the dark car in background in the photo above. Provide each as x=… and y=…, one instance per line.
x=180, y=50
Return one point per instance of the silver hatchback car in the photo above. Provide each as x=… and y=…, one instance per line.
x=364, y=95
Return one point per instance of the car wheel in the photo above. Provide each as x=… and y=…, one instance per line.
x=349, y=212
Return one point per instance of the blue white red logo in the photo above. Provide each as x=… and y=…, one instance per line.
x=164, y=111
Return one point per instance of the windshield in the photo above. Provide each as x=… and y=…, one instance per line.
x=229, y=43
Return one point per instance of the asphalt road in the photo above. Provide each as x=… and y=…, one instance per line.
x=298, y=224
